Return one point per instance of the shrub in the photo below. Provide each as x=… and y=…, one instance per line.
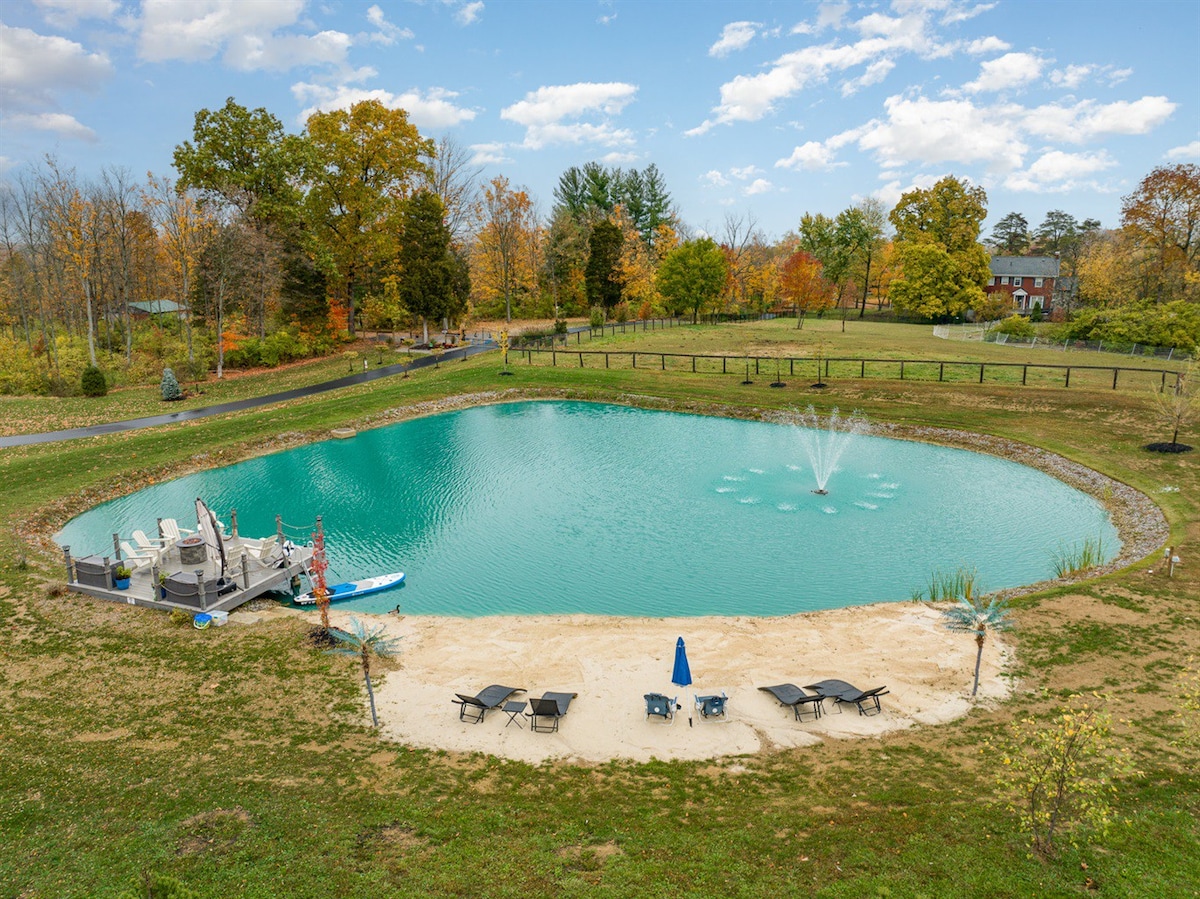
x=170, y=387
x=621, y=312
x=1016, y=326
x=560, y=326
x=92, y=382
x=1059, y=776
x=596, y=320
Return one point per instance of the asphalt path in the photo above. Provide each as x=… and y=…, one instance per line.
x=151, y=421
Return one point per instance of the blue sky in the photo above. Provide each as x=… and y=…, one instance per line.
x=754, y=110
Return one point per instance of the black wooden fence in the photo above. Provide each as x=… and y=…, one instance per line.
x=835, y=367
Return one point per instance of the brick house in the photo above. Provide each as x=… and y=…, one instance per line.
x=1031, y=281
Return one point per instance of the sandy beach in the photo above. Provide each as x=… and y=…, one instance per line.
x=611, y=662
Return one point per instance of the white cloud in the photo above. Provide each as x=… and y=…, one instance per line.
x=812, y=156
x=386, y=33
x=930, y=132
x=65, y=13
x=619, y=158
x=874, y=74
x=1012, y=70
x=748, y=98
x=1056, y=171
x=990, y=44
x=1187, y=151
x=758, y=186
x=544, y=110
x=489, y=154
x=469, y=13
x=1088, y=120
x=57, y=122
x=890, y=193
x=735, y=36
x=34, y=68
x=746, y=172
x=246, y=35
x=715, y=179
x=433, y=108
x=961, y=13
x=1072, y=76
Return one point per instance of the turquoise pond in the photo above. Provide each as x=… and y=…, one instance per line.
x=565, y=507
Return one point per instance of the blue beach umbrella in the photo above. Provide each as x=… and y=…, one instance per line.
x=681, y=675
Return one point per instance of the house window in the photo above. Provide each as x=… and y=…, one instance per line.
x=1016, y=282
x=1037, y=282
x=1004, y=280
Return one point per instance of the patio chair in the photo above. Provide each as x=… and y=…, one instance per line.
x=262, y=551
x=659, y=706
x=171, y=530
x=551, y=706
x=133, y=560
x=145, y=545
x=796, y=699
x=473, y=708
x=712, y=707
x=839, y=691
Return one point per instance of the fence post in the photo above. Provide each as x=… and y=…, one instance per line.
x=724, y=372
x=693, y=365
x=606, y=360
x=1024, y=374
x=980, y=372
x=635, y=360
x=1068, y=382
x=581, y=360
x=1115, y=370
x=863, y=373
x=663, y=358
x=941, y=370
x=901, y=369
x=554, y=357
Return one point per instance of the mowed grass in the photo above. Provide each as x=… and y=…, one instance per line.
x=238, y=761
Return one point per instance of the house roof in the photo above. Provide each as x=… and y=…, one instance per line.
x=1026, y=266
x=157, y=307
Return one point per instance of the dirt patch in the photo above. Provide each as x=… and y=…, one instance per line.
x=215, y=831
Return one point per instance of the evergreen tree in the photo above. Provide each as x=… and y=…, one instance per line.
x=604, y=252
x=427, y=268
x=170, y=386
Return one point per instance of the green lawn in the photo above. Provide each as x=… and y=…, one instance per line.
x=236, y=760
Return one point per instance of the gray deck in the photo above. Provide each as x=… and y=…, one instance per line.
x=253, y=579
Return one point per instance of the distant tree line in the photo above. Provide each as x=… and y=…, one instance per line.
x=272, y=246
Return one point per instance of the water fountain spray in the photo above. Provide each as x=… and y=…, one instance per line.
x=825, y=445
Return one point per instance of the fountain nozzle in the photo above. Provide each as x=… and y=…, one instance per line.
x=820, y=491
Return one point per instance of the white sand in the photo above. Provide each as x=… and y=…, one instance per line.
x=612, y=662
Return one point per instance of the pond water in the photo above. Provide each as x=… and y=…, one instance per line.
x=565, y=507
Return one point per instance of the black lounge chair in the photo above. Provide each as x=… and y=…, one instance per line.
x=551, y=706
x=712, y=706
x=659, y=706
x=473, y=708
x=840, y=691
x=792, y=696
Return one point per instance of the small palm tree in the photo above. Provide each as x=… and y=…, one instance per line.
x=364, y=642
x=974, y=615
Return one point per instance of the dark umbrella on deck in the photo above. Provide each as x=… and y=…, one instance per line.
x=681, y=675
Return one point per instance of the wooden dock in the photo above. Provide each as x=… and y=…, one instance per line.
x=188, y=583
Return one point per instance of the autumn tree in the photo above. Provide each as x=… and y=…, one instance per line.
x=184, y=228
x=501, y=260
x=1010, y=235
x=361, y=166
x=692, y=276
x=1163, y=218
x=802, y=282
x=943, y=265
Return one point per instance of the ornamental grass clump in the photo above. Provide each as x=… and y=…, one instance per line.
x=1059, y=776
